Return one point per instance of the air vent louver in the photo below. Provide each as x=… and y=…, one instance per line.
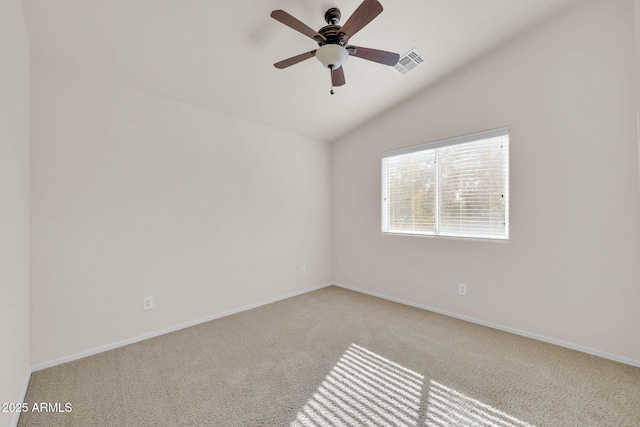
x=409, y=61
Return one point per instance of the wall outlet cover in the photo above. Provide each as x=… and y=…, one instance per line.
x=462, y=289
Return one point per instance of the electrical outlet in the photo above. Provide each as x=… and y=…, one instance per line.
x=462, y=289
x=147, y=303
x=303, y=269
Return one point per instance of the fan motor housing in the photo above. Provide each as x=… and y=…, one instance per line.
x=330, y=33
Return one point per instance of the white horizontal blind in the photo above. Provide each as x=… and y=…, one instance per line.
x=410, y=197
x=459, y=188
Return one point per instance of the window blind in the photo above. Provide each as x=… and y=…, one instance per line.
x=457, y=187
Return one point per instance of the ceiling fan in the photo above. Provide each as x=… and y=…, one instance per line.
x=332, y=40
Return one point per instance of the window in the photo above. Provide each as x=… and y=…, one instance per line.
x=457, y=187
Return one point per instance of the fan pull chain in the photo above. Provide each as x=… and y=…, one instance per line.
x=331, y=75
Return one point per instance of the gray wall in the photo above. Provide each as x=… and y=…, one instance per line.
x=14, y=205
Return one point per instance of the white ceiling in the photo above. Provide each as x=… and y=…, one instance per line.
x=219, y=54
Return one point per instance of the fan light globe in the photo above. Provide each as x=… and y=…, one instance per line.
x=332, y=55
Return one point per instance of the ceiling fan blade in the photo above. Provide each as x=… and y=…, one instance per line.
x=337, y=77
x=364, y=14
x=290, y=21
x=375, y=55
x=294, y=59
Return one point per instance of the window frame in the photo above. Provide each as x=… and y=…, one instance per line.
x=476, y=136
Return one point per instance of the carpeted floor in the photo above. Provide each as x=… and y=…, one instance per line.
x=337, y=357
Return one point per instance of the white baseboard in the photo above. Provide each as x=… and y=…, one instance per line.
x=571, y=346
x=23, y=395
x=101, y=349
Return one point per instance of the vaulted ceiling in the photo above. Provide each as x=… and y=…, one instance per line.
x=219, y=54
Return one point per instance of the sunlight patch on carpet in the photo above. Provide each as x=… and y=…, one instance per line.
x=364, y=389
x=448, y=407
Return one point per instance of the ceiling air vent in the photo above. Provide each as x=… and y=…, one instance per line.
x=409, y=61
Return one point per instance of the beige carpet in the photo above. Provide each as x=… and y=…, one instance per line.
x=336, y=357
